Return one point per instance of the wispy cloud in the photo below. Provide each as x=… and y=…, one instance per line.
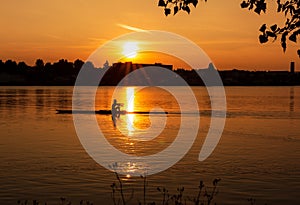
x=131, y=28
x=54, y=36
x=97, y=39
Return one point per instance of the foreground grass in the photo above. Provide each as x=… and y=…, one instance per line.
x=205, y=195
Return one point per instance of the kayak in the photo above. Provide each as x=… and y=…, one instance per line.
x=107, y=112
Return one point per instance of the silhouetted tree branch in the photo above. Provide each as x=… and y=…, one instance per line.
x=290, y=8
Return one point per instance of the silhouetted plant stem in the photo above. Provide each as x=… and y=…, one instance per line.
x=113, y=187
x=176, y=199
x=144, y=187
x=252, y=201
x=121, y=188
x=213, y=193
x=197, y=202
x=166, y=196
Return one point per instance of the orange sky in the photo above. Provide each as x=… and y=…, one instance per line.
x=73, y=29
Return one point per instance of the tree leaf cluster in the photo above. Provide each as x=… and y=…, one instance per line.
x=289, y=31
x=290, y=8
x=257, y=5
x=177, y=5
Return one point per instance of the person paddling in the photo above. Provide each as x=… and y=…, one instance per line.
x=115, y=111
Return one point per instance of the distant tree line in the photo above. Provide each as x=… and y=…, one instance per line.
x=62, y=72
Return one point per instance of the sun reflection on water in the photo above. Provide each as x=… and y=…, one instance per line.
x=130, y=108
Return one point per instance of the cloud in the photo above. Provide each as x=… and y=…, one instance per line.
x=132, y=28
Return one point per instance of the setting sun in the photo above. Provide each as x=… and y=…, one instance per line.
x=130, y=49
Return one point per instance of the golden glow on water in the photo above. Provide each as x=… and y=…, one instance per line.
x=130, y=99
x=130, y=108
x=268, y=136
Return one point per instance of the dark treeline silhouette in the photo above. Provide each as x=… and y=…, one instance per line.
x=57, y=73
x=63, y=73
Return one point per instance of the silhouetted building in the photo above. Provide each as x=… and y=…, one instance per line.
x=169, y=67
x=119, y=70
x=129, y=66
x=292, y=67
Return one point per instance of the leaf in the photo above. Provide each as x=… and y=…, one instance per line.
x=244, y=4
x=271, y=34
x=293, y=26
x=264, y=7
x=283, y=40
x=161, y=3
x=167, y=11
x=251, y=6
x=176, y=9
x=187, y=9
x=292, y=10
x=263, y=39
x=281, y=30
x=263, y=28
x=257, y=10
x=286, y=11
x=283, y=45
x=279, y=8
x=195, y=2
x=274, y=27
x=287, y=22
x=293, y=38
x=261, y=5
x=294, y=35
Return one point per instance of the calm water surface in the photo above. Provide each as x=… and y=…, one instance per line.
x=257, y=156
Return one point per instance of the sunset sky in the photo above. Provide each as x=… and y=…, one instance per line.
x=72, y=29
